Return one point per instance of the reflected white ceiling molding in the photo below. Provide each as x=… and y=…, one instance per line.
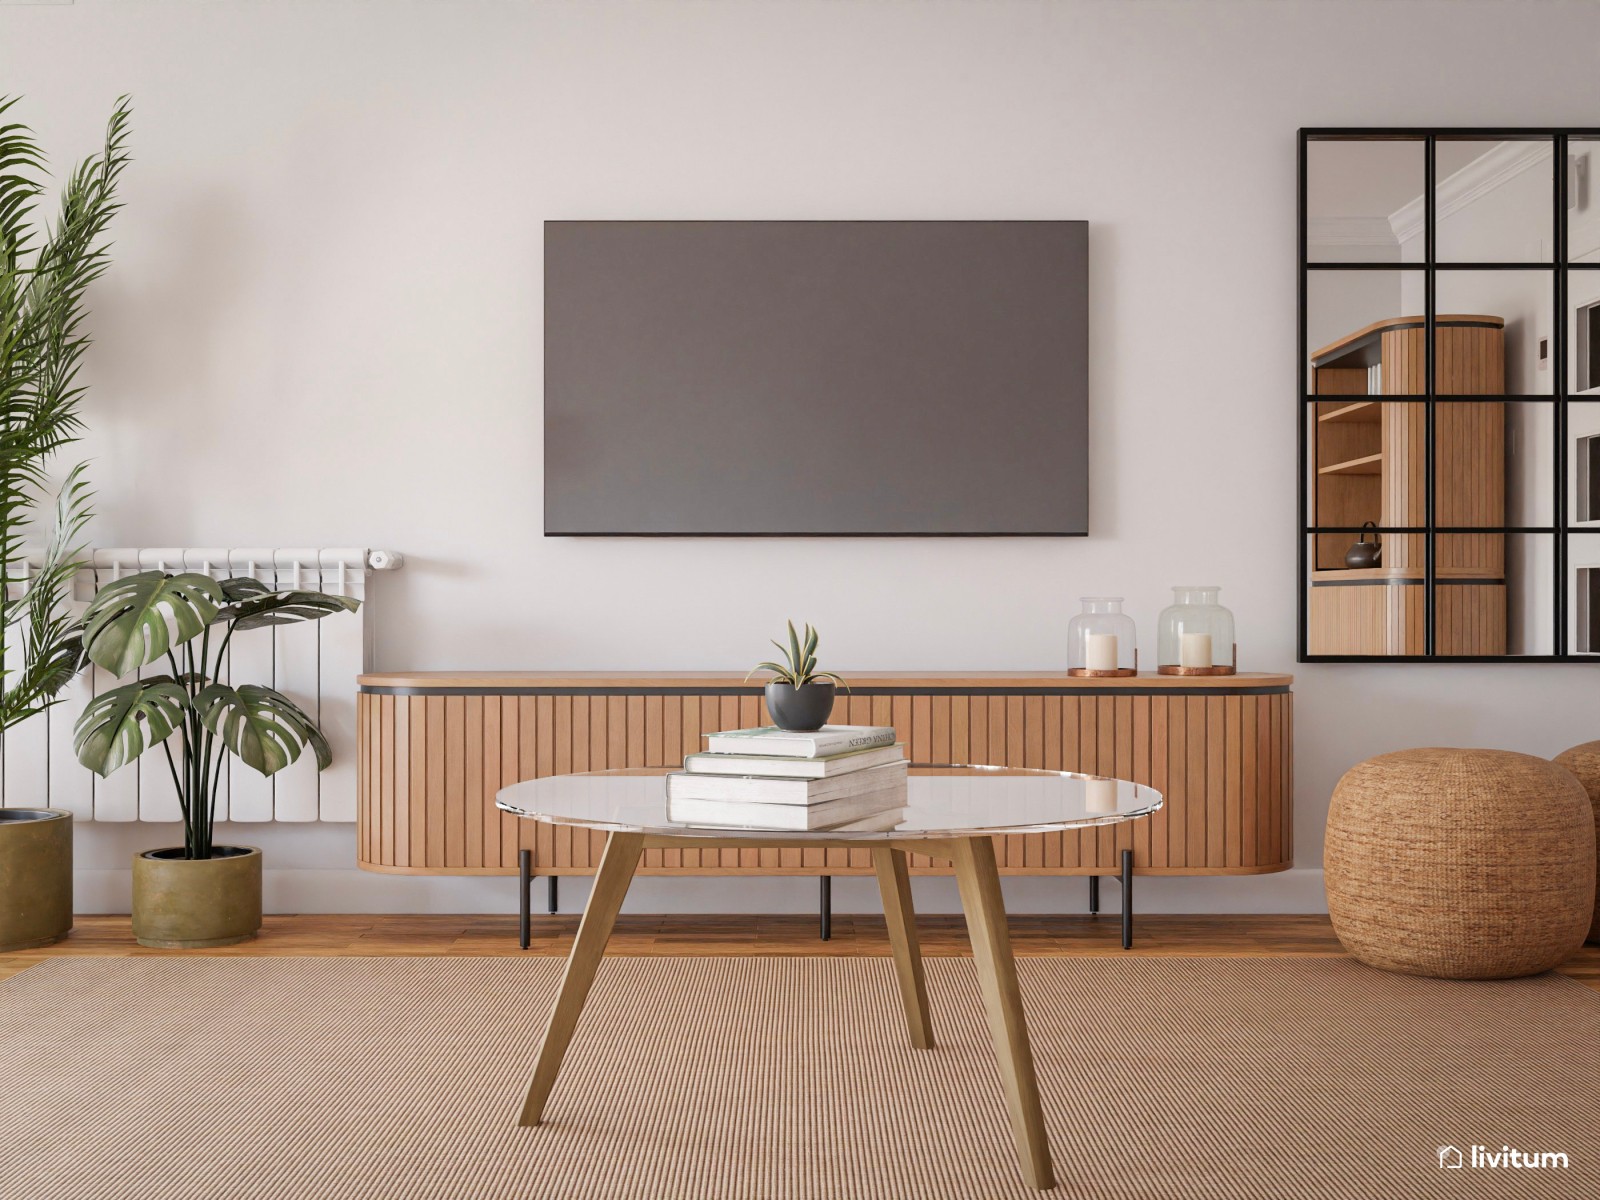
x=1479, y=177
x=1350, y=231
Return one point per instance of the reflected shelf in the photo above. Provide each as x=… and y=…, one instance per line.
x=1370, y=464
x=1364, y=411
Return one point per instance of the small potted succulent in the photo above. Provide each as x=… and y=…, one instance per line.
x=799, y=696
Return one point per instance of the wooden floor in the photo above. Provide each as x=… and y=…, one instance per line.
x=703, y=935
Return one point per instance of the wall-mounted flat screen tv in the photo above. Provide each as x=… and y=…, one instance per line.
x=816, y=378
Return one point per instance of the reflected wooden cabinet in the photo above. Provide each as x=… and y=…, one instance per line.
x=1369, y=463
x=435, y=747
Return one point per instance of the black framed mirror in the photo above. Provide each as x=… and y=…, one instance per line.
x=1449, y=395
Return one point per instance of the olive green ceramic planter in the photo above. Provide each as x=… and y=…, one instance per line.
x=35, y=877
x=187, y=904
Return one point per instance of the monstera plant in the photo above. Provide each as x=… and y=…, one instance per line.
x=186, y=622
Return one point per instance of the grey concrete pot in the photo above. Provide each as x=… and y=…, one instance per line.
x=799, y=708
x=188, y=904
x=35, y=877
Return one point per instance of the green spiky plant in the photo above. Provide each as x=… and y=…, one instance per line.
x=151, y=617
x=45, y=272
x=800, y=665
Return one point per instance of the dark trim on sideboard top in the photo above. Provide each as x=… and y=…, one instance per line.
x=1407, y=581
x=367, y=689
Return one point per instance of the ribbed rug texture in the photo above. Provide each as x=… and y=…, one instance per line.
x=1163, y=1078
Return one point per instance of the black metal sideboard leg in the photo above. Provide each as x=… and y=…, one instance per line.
x=550, y=897
x=827, y=907
x=524, y=886
x=1094, y=895
x=1127, y=899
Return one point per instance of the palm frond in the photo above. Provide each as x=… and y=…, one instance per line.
x=45, y=273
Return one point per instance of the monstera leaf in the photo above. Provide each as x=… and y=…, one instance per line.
x=243, y=587
x=136, y=620
x=263, y=727
x=119, y=725
x=252, y=604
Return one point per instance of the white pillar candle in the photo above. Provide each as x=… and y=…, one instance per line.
x=1100, y=651
x=1100, y=796
x=1194, y=650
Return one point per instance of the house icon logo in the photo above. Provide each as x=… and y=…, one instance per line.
x=1449, y=1157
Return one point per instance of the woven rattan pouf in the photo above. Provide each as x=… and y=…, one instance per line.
x=1584, y=762
x=1463, y=864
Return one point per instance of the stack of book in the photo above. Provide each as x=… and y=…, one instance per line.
x=838, y=777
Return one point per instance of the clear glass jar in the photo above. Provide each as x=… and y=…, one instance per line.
x=1194, y=635
x=1101, y=640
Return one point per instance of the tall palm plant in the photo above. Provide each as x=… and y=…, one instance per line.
x=44, y=275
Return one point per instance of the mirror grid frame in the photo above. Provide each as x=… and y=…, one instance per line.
x=1559, y=268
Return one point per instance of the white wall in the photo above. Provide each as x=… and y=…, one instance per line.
x=323, y=323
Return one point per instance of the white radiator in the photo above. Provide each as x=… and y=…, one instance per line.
x=315, y=663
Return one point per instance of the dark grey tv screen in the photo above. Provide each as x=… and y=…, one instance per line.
x=816, y=378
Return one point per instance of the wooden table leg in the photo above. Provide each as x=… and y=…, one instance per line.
x=997, y=978
x=894, y=884
x=599, y=915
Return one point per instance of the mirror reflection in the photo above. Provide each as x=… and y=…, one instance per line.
x=1353, y=191
x=1376, y=432
x=1583, y=594
x=1493, y=202
x=1583, y=202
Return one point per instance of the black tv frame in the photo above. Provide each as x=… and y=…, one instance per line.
x=1081, y=227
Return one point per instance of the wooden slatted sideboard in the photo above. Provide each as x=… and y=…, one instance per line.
x=435, y=747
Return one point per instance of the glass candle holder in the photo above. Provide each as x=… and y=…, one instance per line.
x=1195, y=636
x=1101, y=640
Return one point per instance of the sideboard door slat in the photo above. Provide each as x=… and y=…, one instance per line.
x=473, y=792
x=1122, y=835
x=491, y=780
x=1160, y=710
x=455, y=781
x=1177, y=793
x=1195, y=815
x=528, y=763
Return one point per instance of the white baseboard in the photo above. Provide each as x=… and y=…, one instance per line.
x=348, y=890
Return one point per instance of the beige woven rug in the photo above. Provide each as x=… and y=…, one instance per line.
x=1167, y=1078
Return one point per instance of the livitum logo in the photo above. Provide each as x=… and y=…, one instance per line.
x=1450, y=1158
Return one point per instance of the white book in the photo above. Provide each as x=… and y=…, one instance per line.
x=875, y=811
x=823, y=767
x=787, y=743
x=766, y=790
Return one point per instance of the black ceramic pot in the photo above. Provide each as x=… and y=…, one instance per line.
x=801, y=709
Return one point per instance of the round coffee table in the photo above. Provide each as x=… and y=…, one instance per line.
x=950, y=812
